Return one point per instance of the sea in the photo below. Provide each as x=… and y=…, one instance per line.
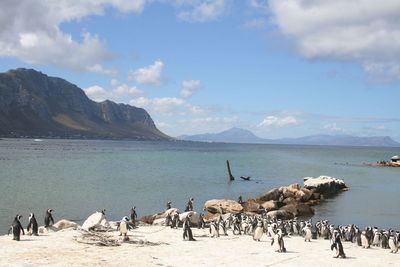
x=77, y=177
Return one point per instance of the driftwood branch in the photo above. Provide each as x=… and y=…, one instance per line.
x=231, y=178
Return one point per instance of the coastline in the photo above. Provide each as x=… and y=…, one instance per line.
x=163, y=246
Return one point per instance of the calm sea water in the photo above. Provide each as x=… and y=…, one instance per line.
x=76, y=178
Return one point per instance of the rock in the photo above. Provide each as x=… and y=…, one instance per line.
x=303, y=194
x=194, y=219
x=149, y=219
x=272, y=194
x=287, y=194
x=280, y=214
x=324, y=184
x=96, y=220
x=298, y=209
x=293, y=188
x=251, y=206
x=159, y=221
x=289, y=200
x=164, y=214
x=316, y=196
x=65, y=224
x=270, y=205
x=227, y=206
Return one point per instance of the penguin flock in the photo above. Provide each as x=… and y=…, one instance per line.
x=32, y=227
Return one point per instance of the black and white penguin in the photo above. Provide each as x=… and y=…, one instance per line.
x=393, y=243
x=214, y=229
x=187, y=232
x=278, y=241
x=48, y=218
x=124, y=227
x=364, y=240
x=307, y=233
x=377, y=237
x=133, y=216
x=337, y=244
x=258, y=232
x=201, y=223
x=385, y=239
x=189, y=205
x=168, y=206
x=16, y=228
x=32, y=227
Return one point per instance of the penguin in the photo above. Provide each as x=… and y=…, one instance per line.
x=16, y=228
x=189, y=205
x=364, y=240
x=314, y=231
x=133, y=216
x=279, y=243
x=236, y=225
x=222, y=225
x=49, y=218
x=201, y=223
x=393, y=244
x=168, y=206
x=385, y=239
x=214, y=229
x=187, y=232
x=258, y=232
x=32, y=227
x=175, y=221
x=307, y=233
x=124, y=227
x=377, y=238
x=337, y=244
x=357, y=236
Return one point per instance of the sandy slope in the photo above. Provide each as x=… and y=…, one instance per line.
x=60, y=249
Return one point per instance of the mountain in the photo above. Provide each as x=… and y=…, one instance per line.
x=237, y=135
x=33, y=104
x=233, y=135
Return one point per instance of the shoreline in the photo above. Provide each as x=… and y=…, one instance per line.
x=163, y=246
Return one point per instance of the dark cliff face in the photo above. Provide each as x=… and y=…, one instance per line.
x=34, y=104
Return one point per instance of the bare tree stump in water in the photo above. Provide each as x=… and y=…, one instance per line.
x=231, y=178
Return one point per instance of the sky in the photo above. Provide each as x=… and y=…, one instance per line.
x=280, y=68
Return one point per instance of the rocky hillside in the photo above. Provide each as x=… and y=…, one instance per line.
x=33, y=104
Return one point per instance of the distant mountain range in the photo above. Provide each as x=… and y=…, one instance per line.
x=237, y=135
x=33, y=104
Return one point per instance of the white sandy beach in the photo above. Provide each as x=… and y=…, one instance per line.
x=61, y=249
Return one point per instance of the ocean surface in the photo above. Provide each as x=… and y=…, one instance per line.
x=78, y=177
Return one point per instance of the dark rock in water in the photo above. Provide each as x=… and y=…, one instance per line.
x=324, y=184
x=298, y=209
x=272, y=194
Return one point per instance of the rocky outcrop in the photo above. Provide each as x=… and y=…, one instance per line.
x=324, y=185
x=33, y=104
x=95, y=221
x=224, y=205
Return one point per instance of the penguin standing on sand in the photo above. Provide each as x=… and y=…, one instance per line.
x=187, y=232
x=337, y=244
x=201, y=223
x=123, y=228
x=32, y=227
x=214, y=229
x=258, y=232
x=48, y=218
x=393, y=243
x=279, y=243
x=16, y=228
x=133, y=216
x=307, y=233
x=364, y=240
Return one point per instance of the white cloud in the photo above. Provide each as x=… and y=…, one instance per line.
x=167, y=106
x=364, y=31
x=189, y=87
x=97, y=68
x=279, y=122
x=120, y=93
x=202, y=10
x=332, y=127
x=30, y=31
x=148, y=75
x=206, y=124
x=258, y=23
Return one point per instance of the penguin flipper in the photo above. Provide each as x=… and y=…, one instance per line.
x=333, y=246
x=272, y=242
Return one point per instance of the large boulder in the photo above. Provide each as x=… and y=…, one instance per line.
x=270, y=205
x=293, y=188
x=65, y=224
x=164, y=214
x=95, y=221
x=280, y=214
x=272, y=194
x=324, y=184
x=298, y=209
x=251, y=206
x=226, y=205
x=303, y=194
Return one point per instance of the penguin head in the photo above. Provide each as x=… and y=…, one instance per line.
x=103, y=211
x=31, y=215
x=49, y=210
x=18, y=217
x=125, y=218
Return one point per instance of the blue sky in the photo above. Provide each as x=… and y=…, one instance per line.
x=281, y=68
